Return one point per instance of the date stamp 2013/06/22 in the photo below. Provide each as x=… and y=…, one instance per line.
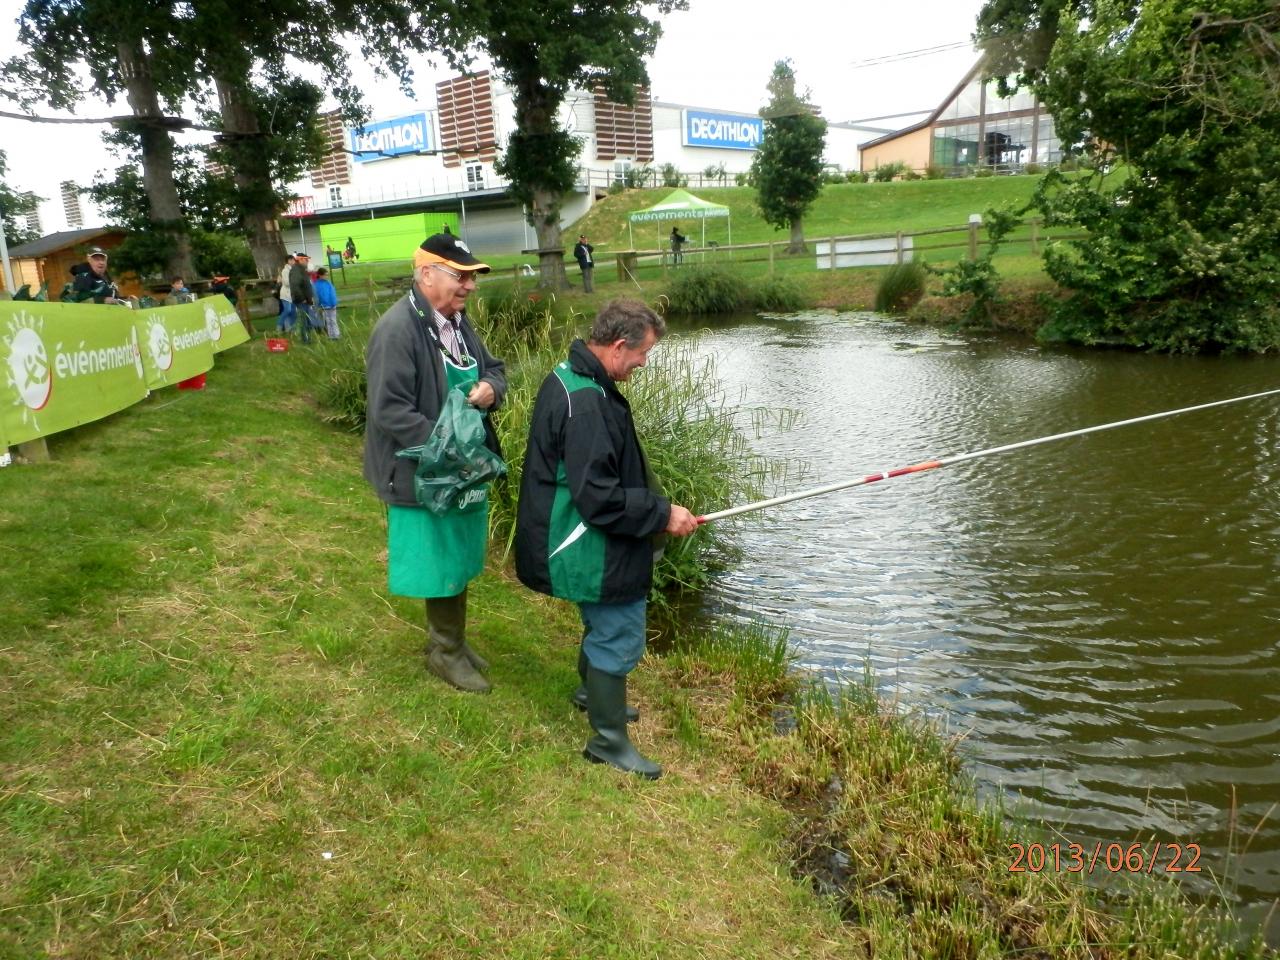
x=1133, y=857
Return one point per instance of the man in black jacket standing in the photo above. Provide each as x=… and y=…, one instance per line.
x=421, y=348
x=582, y=253
x=588, y=515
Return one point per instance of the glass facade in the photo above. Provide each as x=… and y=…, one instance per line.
x=981, y=128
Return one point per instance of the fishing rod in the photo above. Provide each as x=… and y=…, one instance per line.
x=959, y=458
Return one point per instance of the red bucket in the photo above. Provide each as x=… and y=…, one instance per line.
x=277, y=344
x=192, y=383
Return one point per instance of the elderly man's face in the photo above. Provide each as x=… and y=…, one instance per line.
x=445, y=288
x=98, y=265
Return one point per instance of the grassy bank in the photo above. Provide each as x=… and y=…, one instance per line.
x=218, y=739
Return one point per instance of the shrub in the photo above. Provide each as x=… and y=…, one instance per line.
x=638, y=177
x=778, y=294
x=911, y=175
x=830, y=175
x=901, y=287
x=857, y=176
x=671, y=176
x=984, y=172
x=1033, y=168
x=707, y=290
x=934, y=172
x=889, y=171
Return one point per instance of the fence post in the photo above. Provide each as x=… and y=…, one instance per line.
x=771, y=258
x=975, y=221
x=833, y=253
x=1035, y=238
x=899, y=251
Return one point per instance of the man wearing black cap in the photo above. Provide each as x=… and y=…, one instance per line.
x=422, y=347
x=582, y=253
x=91, y=280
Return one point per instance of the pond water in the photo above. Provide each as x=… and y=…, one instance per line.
x=1098, y=617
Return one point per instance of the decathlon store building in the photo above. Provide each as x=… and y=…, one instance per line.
x=435, y=167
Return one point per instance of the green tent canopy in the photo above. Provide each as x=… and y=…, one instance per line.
x=681, y=205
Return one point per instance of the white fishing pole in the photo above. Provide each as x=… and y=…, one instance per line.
x=947, y=461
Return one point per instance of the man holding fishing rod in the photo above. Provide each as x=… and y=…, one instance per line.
x=589, y=513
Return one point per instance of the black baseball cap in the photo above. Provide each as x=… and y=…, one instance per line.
x=447, y=249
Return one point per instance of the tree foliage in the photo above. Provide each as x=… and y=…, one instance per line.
x=1180, y=111
x=13, y=205
x=787, y=168
x=567, y=44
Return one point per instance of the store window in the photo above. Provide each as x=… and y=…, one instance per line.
x=475, y=176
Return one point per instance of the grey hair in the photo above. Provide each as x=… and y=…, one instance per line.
x=627, y=320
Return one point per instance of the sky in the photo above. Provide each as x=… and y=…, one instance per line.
x=718, y=54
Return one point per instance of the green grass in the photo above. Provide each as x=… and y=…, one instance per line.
x=218, y=740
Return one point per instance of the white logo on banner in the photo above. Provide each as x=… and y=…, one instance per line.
x=212, y=325
x=159, y=345
x=29, y=370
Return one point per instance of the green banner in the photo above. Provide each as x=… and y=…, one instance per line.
x=65, y=364
x=226, y=330
x=176, y=342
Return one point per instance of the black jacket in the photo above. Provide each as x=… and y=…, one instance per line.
x=582, y=253
x=587, y=513
x=300, y=288
x=406, y=391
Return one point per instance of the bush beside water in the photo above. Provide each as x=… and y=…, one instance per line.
x=708, y=290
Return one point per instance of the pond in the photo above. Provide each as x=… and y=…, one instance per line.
x=1098, y=617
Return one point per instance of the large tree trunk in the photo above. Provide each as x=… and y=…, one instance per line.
x=251, y=170
x=546, y=224
x=165, y=210
x=797, y=244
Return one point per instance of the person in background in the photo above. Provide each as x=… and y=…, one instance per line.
x=90, y=280
x=422, y=347
x=678, y=240
x=589, y=514
x=288, y=313
x=350, y=250
x=179, y=292
x=222, y=284
x=582, y=253
x=327, y=299
x=303, y=294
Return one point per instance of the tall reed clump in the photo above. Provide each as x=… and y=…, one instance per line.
x=705, y=290
x=901, y=287
x=694, y=446
x=702, y=290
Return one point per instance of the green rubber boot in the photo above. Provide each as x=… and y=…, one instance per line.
x=579, y=698
x=477, y=661
x=607, y=711
x=447, y=649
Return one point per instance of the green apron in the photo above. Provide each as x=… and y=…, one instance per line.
x=430, y=556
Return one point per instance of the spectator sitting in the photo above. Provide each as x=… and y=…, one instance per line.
x=90, y=280
x=179, y=292
x=222, y=284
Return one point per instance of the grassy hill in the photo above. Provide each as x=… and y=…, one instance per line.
x=841, y=209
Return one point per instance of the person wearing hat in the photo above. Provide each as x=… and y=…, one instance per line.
x=222, y=284
x=303, y=295
x=422, y=347
x=91, y=281
x=582, y=253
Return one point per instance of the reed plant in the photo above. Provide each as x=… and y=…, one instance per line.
x=702, y=290
x=901, y=287
x=778, y=294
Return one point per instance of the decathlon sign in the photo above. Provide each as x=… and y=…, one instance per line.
x=390, y=138
x=726, y=131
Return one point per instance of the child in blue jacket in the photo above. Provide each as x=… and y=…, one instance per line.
x=327, y=301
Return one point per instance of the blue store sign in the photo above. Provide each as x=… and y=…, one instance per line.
x=726, y=131
x=390, y=138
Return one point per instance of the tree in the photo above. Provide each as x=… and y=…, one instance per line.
x=236, y=53
x=13, y=205
x=1180, y=110
x=542, y=56
x=787, y=169
x=126, y=49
